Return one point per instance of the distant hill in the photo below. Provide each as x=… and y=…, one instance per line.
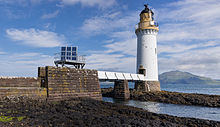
x=178, y=77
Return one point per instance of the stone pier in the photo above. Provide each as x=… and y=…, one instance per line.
x=121, y=89
x=147, y=86
x=63, y=82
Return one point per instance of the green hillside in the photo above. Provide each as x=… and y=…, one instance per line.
x=178, y=77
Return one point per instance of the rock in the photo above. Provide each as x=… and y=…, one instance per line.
x=88, y=112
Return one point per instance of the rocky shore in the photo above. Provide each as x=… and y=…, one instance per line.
x=86, y=112
x=171, y=97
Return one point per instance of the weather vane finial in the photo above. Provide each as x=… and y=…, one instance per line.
x=146, y=5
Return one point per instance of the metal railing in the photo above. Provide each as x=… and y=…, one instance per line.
x=58, y=57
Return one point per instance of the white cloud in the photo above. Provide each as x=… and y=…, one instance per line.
x=118, y=56
x=111, y=62
x=99, y=3
x=126, y=47
x=35, y=1
x=177, y=48
x=123, y=35
x=23, y=64
x=50, y=15
x=188, y=39
x=36, y=38
x=189, y=20
x=110, y=22
x=2, y=53
x=204, y=61
x=14, y=9
x=12, y=1
x=118, y=53
x=20, y=2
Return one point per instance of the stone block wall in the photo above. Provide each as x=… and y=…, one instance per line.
x=18, y=82
x=121, y=89
x=31, y=92
x=54, y=83
x=70, y=82
x=154, y=85
x=147, y=86
x=21, y=86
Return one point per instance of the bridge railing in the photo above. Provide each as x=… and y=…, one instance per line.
x=120, y=76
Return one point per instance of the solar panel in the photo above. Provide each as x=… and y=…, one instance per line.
x=69, y=53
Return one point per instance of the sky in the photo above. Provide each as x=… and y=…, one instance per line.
x=32, y=31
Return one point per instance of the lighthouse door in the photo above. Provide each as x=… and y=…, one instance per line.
x=142, y=71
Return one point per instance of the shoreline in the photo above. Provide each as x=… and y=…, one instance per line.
x=171, y=97
x=88, y=112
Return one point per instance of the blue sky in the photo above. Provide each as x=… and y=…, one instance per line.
x=31, y=31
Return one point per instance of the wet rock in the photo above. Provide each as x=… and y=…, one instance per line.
x=88, y=112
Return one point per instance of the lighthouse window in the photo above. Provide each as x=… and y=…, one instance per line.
x=155, y=50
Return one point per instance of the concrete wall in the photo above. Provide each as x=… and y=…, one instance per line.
x=70, y=82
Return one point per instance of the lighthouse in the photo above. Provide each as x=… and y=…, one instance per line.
x=146, y=32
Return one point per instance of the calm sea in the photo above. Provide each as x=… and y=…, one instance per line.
x=184, y=88
x=175, y=109
x=192, y=88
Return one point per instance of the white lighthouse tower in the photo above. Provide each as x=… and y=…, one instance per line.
x=147, y=45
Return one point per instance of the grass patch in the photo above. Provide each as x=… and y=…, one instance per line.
x=20, y=118
x=9, y=118
x=6, y=118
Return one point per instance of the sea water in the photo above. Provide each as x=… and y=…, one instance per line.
x=176, y=109
x=192, y=88
x=184, y=88
x=172, y=109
